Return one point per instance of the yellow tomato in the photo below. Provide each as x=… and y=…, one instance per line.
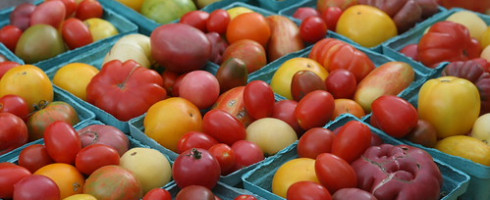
x=486, y=53
x=485, y=38
x=470, y=20
x=168, y=120
x=238, y=11
x=80, y=197
x=100, y=28
x=296, y=170
x=281, y=81
x=450, y=104
x=366, y=25
x=133, y=4
x=466, y=147
x=75, y=77
x=271, y=134
x=69, y=180
x=29, y=82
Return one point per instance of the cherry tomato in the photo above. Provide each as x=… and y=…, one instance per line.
x=313, y=29
x=5, y=66
x=197, y=19
x=315, y=109
x=13, y=132
x=284, y=110
x=62, y=142
x=245, y=197
x=331, y=16
x=247, y=153
x=75, y=33
x=351, y=141
x=218, y=21
x=195, y=139
x=95, y=156
x=196, y=167
x=223, y=126
x=89, y=9
x=225, y=156
x=258, y=97
x=10, y=174
x=308, y=190
x=390, y=111
x=158, y=194
x=334, y=172
x=9, y=35
x=34, y=157
x=14, y=104
x=36, y=187
x=70, y=5
x=195, y=192
x=314, y=142
x=341, y=84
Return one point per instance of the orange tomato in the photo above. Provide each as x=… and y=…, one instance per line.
x=347, y=106
x=67, y=177
x=251, y=26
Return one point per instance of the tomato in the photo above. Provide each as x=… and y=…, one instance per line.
x=195, y=192
x=218, y=21
x=49, y=12
x=246, y=153
x=34, y=157
x=314, y=142
x=104, y=134
x=303, y=12
x=223, y=126
x=49, y=113
x=232, y=102
x=158, y=194
x=75, y=77
x=14, y=104
x=225, y=156
x=245, y=197
x=304, y=82
x=36, y=187
x=62, y=142
x=94, y=156
x=75, y=33
x=5, y=66
x=196, y=18
x=341, y=83
x=9, y=35
x=312, y=29
x=204, y=94
x=251, y=26
x=113, y=182
x=351, y=141
x=69, y=180
x=390, y=111
x=308, y=190
x=13, y=132
x=353, y=193
x=284, y=110
x=467, y=147
x=89, y=9
x=411, y=51
x=292, y=171
x=21, y=15
x=425, y=134
x=258, y=98
x=343, y=106
x=70, y=7
x=196, y=167
x=195, y=139
x=315, y=109
x=100, y=28
x=331, y=16
x=11, y=174
x=334, y=172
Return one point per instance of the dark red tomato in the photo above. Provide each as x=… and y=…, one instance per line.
x=49, y=12
x=62, y=142
x=14, y=104
x=315, y=109
x=314, y=142
x=89, y=9
x=304, y=12
x=245, y=197
x=247, y=153
x=308, y=190
x=353, y=193
x=411, y=51
x=10, y=174
x=394, y=115
x=13, y=132
x=195, y=139
x=36, y=187
x=223, y=126
x=197, y=19
x=34, y=157
x=304, y=82
x=21, y=16
x=313, y=29
x=341, y=84
x=196, y=167
x=334, y=172
x=70, y=5
x=218, y=21
x=284, y=110
x=5, y=66
x=9, y=35
x=158, y=194
x=195, y=192
x=169, y=79
x=92, y=157
x=75, y=33
x=258, y=97
x=331, y=16
x=225, y=156
x=351, y=141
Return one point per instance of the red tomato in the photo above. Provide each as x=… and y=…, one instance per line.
x=70, y=5
x=14, y=104
x=49, y=12
x=223, y=126
x=195, y=139
x=304, y=12
x=89, y=9
x=13, y=132
x=341, y=84
x=36, y=187
x=62, y=142
x=196, y=167
x=247, y=153
x=75, y=33
x=313, y=29
x=394, y=115
x=218, y=21
x=232, y=102
x=195, y=192
x=315, y=109
x=331, y=16
x=411, y=51
x=308, y=190
x=225, y=156
x=351, y=141
x=34, y=157
x=95, y=156
x=334, y=172
x=104, y=134
x=9, y=35
x=196, y=18
x=314, y=142
x=5, y=66
x=258, y=97
x=284, y=110
x=21, y=15
x=169, y=79
x=158, y=194
x=245, y=197
x=202, y=95
x=10, y=174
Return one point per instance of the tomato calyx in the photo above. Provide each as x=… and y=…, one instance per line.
x=122, y=85
x=196, y=154
x=41, y=105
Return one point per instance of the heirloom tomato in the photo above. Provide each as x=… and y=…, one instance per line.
x=218, y=21
x=251, y=26
x=292, y=171
x=89, y=9
x=113, y=182
x=314, y=142
x=312, y=29
x=315, y=109
x=334, y=172
x=351, y=141
x=232, y=102
x=34, y=157
x=104, y=134
x=75, y=33
x=92, y=157
x=48, y=113
x=258, y=98
x=13, y=132
x=10, y=174
x=14, y=104
x=36, y=187
x=196, y=18
x=247, y=153
x=284, y=110
x=196, y=167
x=69, y=180
x=245, y=197
x=74, y=78
x=223, y=126
x=394, y=115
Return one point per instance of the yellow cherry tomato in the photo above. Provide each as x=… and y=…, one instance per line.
x=296, y=170
x=75, y=77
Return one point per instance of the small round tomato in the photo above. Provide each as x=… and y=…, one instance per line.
x=195, y=139
x=218, y=21
x=62, y=142
x=158, y=194
x=34, y=157
x=13, y=132
x=10, y=174
x=314, y=142
x=331, y=16
x=5, y=66
x=223, y=126
x=14, y=104
x=196, y=167
x=89, y=9
x=394, y=115
x=284, y=110
x=195, y=192
x=50, y=13
x=334, y=172
x=36, y=187
x=247, y=153
x=259, y=99
x=92, y=157
x=351, y=141
x=315, y=109
x=341, y=84
x=196, y=18
x=225, y=156
x=313, y=29
x=9, y=35
x=308, y=190
x=75, y=33
x=245, y=197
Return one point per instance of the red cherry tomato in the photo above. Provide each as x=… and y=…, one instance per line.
x=334, y=172
x=284, y=110
x=95, y=156
x=89, y=9
x=62, y=142
x=36, y=187
x=34, y=157
x=197, y=19
x=245, y=197
x=351, y=141
x=247, y=153
x=331, y=16
x=75, y=33
x=195, y=139
x=10, y=174
x=13, y=132
x=218, y=21
x=158, y=194
x=225, y=156
x=223, y=126
x=14, y=104
x=314, y=142
x=258, y=97
x=313, y=29
x=196, y=167
x=394, y=115
x=315, y=109
x=5, y=66
x=9, y=35
x=308, y=190
x=341, y=84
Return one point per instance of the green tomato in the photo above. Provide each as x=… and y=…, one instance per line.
x=166, y=11
x=39, y=42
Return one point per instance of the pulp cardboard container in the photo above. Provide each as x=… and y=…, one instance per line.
x=259, y=180
x=124, y=27
x=222, y=190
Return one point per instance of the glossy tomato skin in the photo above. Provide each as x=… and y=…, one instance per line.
x=89, y=9
x=70, y=6
x=5, y=66
x=21, y=15
x=196, y=18
x=247, y=153
x=125, y=185
x=9, y=35
x=394, y=115
x=49, y=12
x=104, y=134
x=49, y=113
x=14, y=104
x=304, y=12
x=232, y=102
x=341, y=84
x=245, y=197
x=75, y=33
x=196, y=167
x=62, y=142
x=331, y=16
x=259, y=99
x=334, y=172
x=218, y=21
x=195, y=139
x=314, y=142
x=315, y=109
x=92, y=157
x=225, y=156
x=312, y=29
x=13, y=132
x=308, y=190
x=34, y=157
x=158, y=194
x=36, y=187
x=10, y=174
x=223, y=126
x=351, y=141
x=195, y=192
x=284, y=110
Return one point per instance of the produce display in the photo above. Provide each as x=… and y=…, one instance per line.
x=247, y=99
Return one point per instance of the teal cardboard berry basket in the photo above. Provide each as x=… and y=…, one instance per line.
x=222, y=190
